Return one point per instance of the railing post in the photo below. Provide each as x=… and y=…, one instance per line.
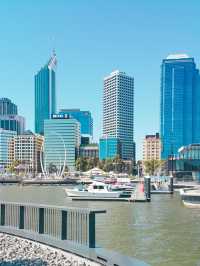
x=21, y=217
x=148, y=188
x=64, y=225
x=2, y=214
x=171, y=186
x=41, y=220
x=91, y=230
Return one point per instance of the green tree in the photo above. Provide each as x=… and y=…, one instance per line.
x=153, y=166
x=81, y=164
x=52, y=168
x=12, y=167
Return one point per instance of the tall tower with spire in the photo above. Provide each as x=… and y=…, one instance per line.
x=45, y=93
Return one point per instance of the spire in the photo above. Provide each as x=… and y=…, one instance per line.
x=53, y=60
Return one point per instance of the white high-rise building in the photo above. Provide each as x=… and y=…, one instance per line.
x=118, y=111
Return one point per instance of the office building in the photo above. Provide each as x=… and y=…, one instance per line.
x=180, y=104
x=89, y=151
x=26, y=149
x=9, y=118
x=109, y=148
x=13, y=123
x=152, y=147
x=7, y=107
x=62, y=138
x=45, y=94
x=118, y=111
x=86, y=122
x=186, y=164
x=5, y=138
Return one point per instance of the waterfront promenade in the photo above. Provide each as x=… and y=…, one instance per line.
x=22, y=252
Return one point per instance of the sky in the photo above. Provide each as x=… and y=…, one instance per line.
x=91, y=39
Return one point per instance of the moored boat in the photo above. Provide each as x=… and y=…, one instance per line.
x=190, y=197
x=94, y=190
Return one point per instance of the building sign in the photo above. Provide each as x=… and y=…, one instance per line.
x=60, y=116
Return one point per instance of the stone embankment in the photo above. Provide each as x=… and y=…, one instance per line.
x=21, y=252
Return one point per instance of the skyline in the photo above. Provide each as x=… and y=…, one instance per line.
x=88, y=48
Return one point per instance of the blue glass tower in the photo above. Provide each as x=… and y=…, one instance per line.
x=9, y=118
x=7, y=107
x=45, y=94
x=180, y=104
x=109, y=148
x=83, y=117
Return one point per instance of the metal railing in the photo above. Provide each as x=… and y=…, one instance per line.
x=63, y=223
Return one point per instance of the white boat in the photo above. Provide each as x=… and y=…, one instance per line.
x=190, y=197
x=94, y=190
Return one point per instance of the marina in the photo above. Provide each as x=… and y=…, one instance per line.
x=143, y=230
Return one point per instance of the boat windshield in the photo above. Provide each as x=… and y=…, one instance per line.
x=98, y=187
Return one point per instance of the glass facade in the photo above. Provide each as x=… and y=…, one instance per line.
x=7, y=107
x=109, y=148
x=5, y=137
x=180, y=104
x=83, y=117
x=13, y=123
x=45, y=94
x=59, y=135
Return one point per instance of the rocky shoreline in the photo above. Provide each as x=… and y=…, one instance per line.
x=20, y=252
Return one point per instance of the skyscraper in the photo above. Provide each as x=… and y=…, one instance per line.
x=45, y=94
x=180, y=104
x=9, y=118
x=7, y=107
x=85, y=120
x=118, y=111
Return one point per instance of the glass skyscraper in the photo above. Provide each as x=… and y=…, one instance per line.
x=83, y=117
x=180, y=104
x=7, y=107
x=109, y=148
x=118, y=111
x=45, y=94
x=9, y=118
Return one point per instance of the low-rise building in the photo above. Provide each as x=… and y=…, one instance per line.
x=26, y=149
x=89, y=151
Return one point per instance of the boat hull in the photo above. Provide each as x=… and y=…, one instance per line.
x=190, y=198
x=87, y=194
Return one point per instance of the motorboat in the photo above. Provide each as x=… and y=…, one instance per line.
x=190, y=197
x=126, y=189
x=94, y=190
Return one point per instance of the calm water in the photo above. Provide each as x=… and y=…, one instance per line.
x=162, y=233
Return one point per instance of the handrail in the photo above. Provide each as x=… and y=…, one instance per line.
x=64, y=223
x=87, y=210
x=67, y=228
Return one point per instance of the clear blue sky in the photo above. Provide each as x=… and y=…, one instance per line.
x=92, y=38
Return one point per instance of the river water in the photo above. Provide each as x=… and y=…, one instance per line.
x=161, y=233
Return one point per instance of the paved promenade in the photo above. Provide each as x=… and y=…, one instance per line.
x=19, y=251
